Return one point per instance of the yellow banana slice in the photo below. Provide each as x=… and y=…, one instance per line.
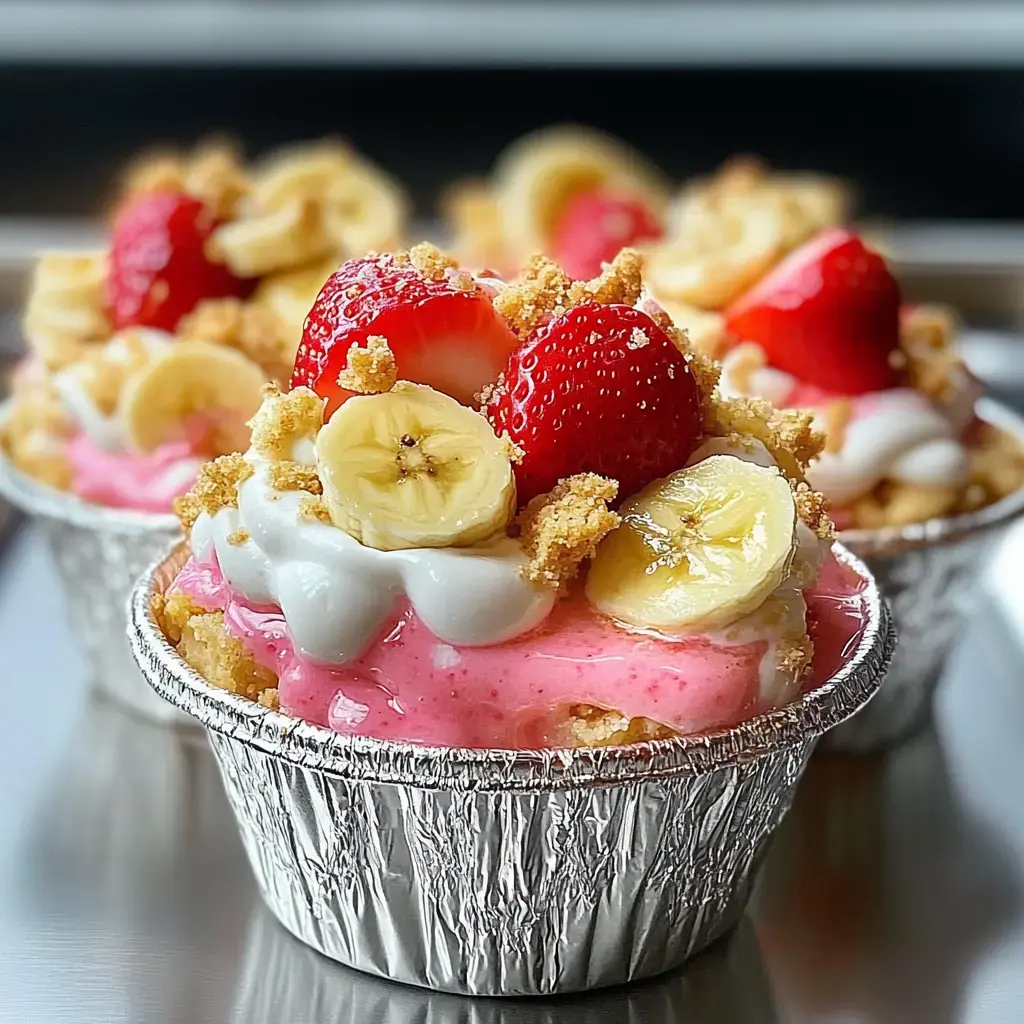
x=290, y=296
x=697, y=550
x=302, y=171
x=412, y=468
x=539, y=173
x=717, y=254
x=193, y=385
x=365, y=210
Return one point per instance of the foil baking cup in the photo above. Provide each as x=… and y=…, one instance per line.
x=506, y=872
x=283, y=980
x=99, y=553
x=927, y=572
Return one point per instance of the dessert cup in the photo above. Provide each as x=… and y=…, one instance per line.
x=98, y=553
x=926, y=571
x=506, y=872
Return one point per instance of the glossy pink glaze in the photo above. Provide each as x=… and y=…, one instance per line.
x=147, y=483
x=408, y=686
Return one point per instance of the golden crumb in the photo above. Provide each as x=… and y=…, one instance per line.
x=215, y=177
x=462, y=281
x=591, y=726
x=371, y=368
x=172, y=612
x=238, y=537
x=793, y=655
x=294, y=476
x=252, y=329
x=541, y=290
x=561, y=529
x=269, y=699
x=285, y=418
x=619, y=282
x=215, y=488
x=812, y=507
x=707, y=373
x=313, y=507
x=927, y=356
x=837, y=418
x=788, y=434
x=430, y=261
x=221, y=659
x=513, y=452
x=893, y=503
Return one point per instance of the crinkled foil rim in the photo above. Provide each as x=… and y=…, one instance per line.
x=40, y=499
x=357, y=757
x=895, y=540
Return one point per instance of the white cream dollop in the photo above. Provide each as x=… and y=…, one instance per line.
x=337, y=595
x=899, y=434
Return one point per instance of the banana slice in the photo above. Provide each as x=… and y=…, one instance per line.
x=698, y=549
x=193, y=386
x=412, y=468
x=365, y=210
x=537, y=175
x=290, y=296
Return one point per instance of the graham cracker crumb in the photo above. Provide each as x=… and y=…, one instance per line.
x=238, y=537
x=252, y=329
x=371, y=369
x=172, y=612
x=707, y=373
x=215, y=488
x=430, y=261
x=215, y=177
x=561, y=529
x=788, y=434
x=812, y=508
x=221, y=658
x=837, y=417
x=313, y=507
x=793, y=654
x=513, y=452
x=543, y=288
x=592, y=726
x=294, y=476
x=283, y=419
x=269, y=699
x=462, y=281
x=929, y=360
x=490, y=393
x=619, y=282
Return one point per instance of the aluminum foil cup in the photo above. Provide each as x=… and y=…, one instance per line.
x=284, y=981
x=99, y=553
x=502, y=872
x=927, y=572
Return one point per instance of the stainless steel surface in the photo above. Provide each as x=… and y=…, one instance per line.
x=895, y=892
x=776, y=33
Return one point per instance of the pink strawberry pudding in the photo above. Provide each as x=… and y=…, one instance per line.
x=380, y=574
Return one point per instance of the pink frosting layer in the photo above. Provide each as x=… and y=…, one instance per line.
x=147, y=483
x=409, y=686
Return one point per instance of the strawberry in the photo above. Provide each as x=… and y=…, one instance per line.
x=441, y=332
x=595, y=226
x=159, y=270
x=600, y=389
x=829, y=314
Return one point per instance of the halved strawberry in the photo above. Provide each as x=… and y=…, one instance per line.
x=440, y=333
x=595, y=227
x=159, y=270
x=600, y=389
x=829, y=314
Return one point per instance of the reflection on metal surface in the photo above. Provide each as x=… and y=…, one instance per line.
x=286, y=982
x=883, y=891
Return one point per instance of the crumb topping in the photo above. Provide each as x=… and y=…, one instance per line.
x=619, y=282
x=431, y=262
x=294, y=476
x=793, y=654
x=513, y=452
x=238, y=537
x=215, y=177
x=269, y=699
x=252, y=329
x=812, y=508
x=541, y=291
x=215, y=488
x=314, y=507
x=561, y=529
x=788, y=434
x=283, y=419
x=927, y=355
x=371, y=369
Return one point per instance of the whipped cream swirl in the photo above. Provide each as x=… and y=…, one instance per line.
x=899, y=434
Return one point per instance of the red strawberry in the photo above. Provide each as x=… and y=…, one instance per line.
x=829, y=314
x=600, y=389
x=441, y=334
x=595, y=227
x=159, y=270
